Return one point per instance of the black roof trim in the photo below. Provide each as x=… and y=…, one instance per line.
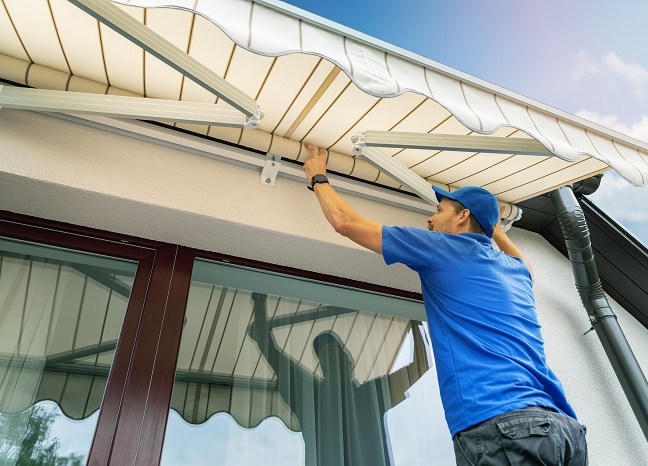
x=621, y=260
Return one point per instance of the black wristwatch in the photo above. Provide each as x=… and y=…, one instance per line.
x=317, y=179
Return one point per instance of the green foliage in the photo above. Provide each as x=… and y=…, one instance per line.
x=25, y=440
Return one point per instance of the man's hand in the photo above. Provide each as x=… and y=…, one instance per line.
x=342, y=217
x=498, y=227
x=316, y=165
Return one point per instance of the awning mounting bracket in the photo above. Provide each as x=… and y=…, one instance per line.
x=270, y=170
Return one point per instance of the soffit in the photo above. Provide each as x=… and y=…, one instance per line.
x=315, y=82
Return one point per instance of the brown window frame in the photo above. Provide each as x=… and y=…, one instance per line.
x=135, y=409
x=126, y=405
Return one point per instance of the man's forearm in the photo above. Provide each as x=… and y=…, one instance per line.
x=339, y=213
x=336, y=210
x=346, y=221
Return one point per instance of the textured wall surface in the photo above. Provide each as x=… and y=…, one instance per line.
x=60, y=170
x=614, y=435
x=68, y=172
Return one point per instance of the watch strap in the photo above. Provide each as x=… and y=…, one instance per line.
x=317, y=179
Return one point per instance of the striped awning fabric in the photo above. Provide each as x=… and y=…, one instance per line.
x=315, y=82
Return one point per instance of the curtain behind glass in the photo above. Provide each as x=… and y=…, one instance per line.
x=60, y=316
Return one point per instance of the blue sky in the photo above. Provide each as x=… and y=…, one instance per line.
x=588, y=58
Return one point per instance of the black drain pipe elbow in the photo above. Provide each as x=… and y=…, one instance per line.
x=604, y=321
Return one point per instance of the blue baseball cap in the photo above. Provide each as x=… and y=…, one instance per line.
x=481, y=204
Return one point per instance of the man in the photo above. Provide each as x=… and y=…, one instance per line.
x=502, y=403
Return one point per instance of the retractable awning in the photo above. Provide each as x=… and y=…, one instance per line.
x=315, y=82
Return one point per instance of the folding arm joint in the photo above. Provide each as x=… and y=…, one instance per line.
x=359, y=141
x=252, y=121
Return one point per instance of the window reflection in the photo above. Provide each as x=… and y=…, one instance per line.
x=46, y=437
x=61, y=314
x=221, y=440
x=335, y=413
x=257, y=360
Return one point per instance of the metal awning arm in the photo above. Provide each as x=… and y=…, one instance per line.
x=366, y=145
x=141, y=108
x=127, y=26
x=397, y=171
x=74, y=354
x=450, y=142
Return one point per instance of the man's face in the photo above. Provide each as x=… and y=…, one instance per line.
x=445, y=219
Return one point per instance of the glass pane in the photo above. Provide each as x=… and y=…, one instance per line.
x=61, y=314
x=275, y=370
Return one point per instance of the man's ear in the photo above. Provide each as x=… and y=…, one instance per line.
x=464, y=217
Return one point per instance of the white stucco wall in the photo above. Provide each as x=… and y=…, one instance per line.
x=614, y=435
x=60, y=170
x=68, y=172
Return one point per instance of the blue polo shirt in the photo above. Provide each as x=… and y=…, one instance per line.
x=486, y=339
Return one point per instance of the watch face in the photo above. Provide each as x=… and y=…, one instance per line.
x=318, y=179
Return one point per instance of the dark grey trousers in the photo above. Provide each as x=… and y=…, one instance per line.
x=526, y=437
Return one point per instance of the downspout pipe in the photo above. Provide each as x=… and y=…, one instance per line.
x=603, y=320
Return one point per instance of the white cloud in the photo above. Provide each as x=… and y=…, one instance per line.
x=614, y=70
x=628, y=85
x=584, y=67
x=624, y=203
x=637, y=130
x=618, y=198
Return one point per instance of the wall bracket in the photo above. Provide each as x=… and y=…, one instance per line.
x=270, y=170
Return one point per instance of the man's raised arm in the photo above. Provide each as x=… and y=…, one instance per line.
x=261, y=332
x=342, y=217
x=507, y=246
